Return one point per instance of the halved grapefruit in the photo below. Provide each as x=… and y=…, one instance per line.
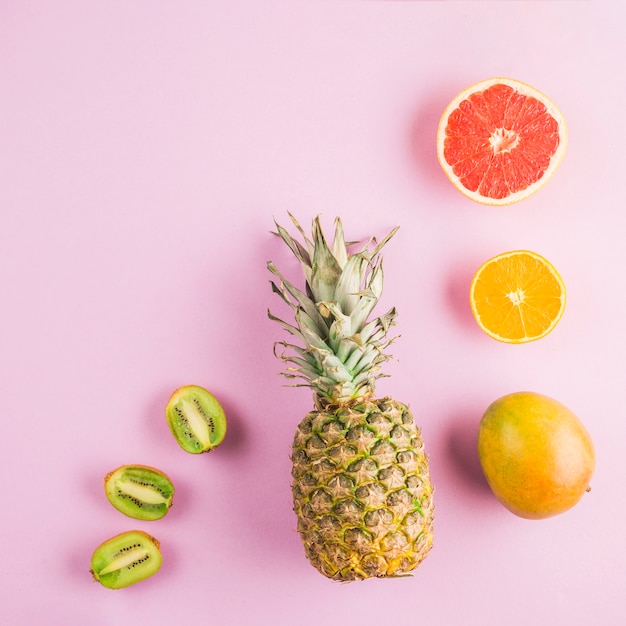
x=500, y=140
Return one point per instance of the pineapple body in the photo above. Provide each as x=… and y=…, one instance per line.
x=361, y=490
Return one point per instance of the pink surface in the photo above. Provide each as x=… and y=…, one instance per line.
x=145, y=149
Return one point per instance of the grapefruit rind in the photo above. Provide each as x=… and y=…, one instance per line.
x=521, y=88
x=527, y=338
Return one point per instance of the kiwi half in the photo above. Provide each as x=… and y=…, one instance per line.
x=126, y=559
x=139, y=491
x=196, y=419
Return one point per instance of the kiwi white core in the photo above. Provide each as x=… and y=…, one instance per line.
x=124, y=559
x=142, y=492
x=196, y=420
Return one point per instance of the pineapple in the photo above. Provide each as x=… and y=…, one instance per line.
x=361, y=486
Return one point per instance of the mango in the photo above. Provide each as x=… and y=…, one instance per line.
x=536, y=455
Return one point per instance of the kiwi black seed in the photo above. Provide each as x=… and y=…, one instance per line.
x=139, y=491
x=196, y=419
x=126, y=559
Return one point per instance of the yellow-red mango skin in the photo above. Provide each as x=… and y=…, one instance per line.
x=537, y=456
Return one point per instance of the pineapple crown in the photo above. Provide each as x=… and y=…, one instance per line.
x=342, y=351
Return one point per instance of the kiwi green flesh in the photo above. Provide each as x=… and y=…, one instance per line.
x=126, y=559
x=139, y=491
x=196, y=419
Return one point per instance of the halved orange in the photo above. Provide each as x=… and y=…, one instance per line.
x=500, y=140
x=517, y=296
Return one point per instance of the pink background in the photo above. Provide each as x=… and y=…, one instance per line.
x=146, y=148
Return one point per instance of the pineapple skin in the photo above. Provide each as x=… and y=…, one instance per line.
x=361, y=490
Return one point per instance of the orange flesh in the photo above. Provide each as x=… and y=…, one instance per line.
x=517, y=297
x=499, y=141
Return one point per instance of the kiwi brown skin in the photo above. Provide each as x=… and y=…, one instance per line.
x=139, y=491
x=196, y=419
x=126, y=559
